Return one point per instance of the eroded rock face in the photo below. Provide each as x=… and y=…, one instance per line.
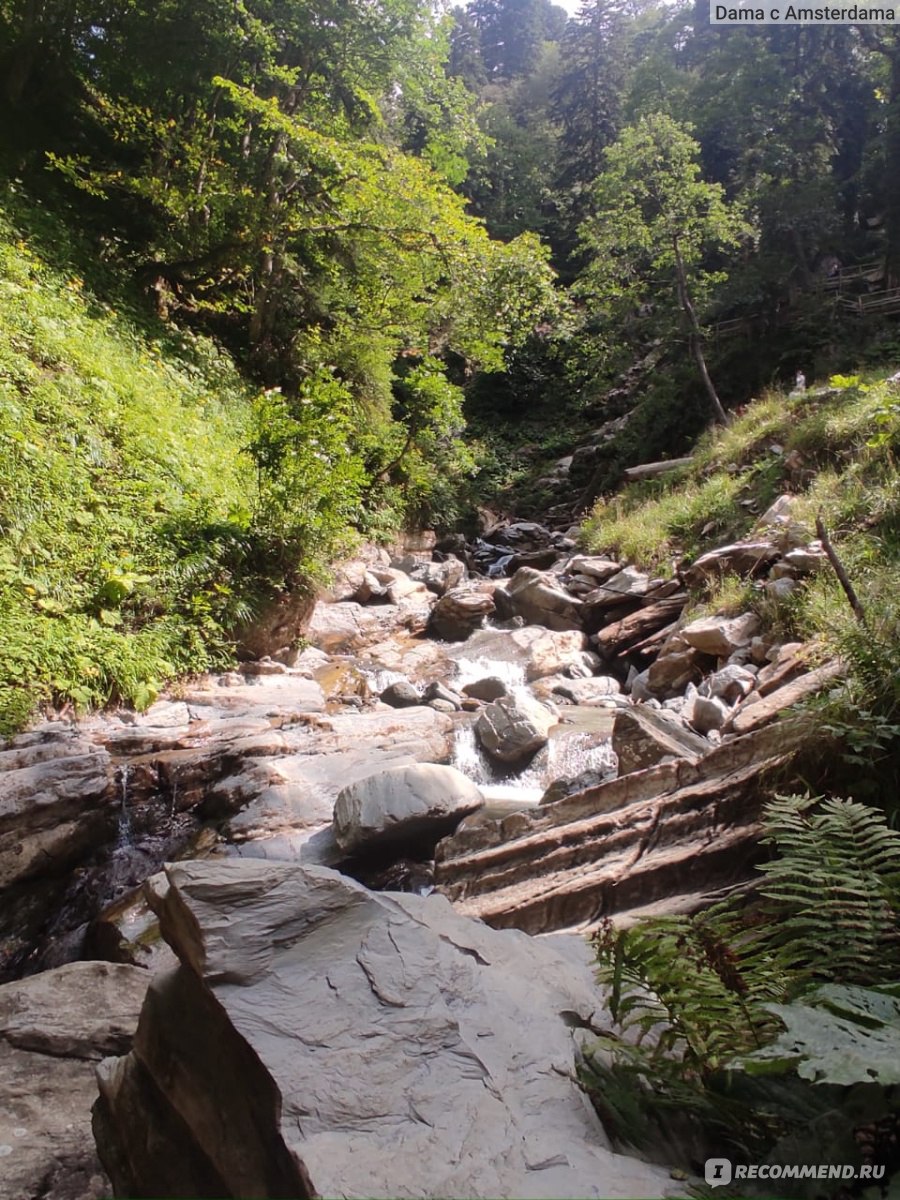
x=54, y=1029
x=403, y=807
x=336, y=1042
x=642, y=737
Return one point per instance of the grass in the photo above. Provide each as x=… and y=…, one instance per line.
x=834, y=447
x=125, y=494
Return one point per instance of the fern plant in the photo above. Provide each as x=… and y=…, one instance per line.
x=696, y=1062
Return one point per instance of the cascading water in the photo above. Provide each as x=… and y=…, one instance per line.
x=470, y=670
x=126, y=831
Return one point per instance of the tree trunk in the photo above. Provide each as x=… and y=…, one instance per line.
x=696, y=335
x=891, y=47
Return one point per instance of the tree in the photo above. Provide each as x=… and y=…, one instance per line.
x=655, y=228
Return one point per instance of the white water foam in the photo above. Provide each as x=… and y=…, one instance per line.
x=470, y=670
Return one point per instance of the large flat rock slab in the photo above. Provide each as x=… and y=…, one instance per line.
x=320, y=1039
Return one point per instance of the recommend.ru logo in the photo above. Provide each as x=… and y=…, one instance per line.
x=719, y=1171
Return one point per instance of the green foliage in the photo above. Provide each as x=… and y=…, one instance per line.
x=737, y=1026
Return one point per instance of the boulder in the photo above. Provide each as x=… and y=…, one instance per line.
x=753, y=717
x=539, y=651
x=330, y=1041
x=677, y=665
x=706, y=713
x=537, y=597
x=594, y=567
x=730, y=684
x=405, y=806
x=441, y=577
x=438, y=691
x=642, y=737
x=807, y=559
x=741, y=558
x=490, y=688
x=459, y=613
x=344, y=628
x=55, y=1028
x=721, y=636
x=514, y=727
x=278, y=625
x=401, y=694
x=627, y=584
x=599, y=689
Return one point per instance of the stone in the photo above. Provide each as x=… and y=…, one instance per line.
x=706, y=713
x=278, y=625
x=490, y=688
x=55, y=1028
x=536, y=596
x=594, y=567
x=730, y=684
x=625, y=634
x=441, y=577
x=627, y=584
x=780, y=510
x=559, y=789
x=674, y=668
x=596, y=690
x=740, y=558
x=459, y=613
x=766, y=709
x=721, y=636
x=643, y=737
x=347, y=580
x=401, y=694
x=345, y=628
x=645, y=838
x=443, y=706
x=438, y=691
x=807, y=559
x=404, y=807
x=331, y=1041
x=780, y=589
x=539, y=651
x=514, y=727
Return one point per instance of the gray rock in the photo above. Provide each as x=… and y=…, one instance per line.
x=742, y=558
x=336, y=1042
x=537, y=597
x=488, y=689
x=438, y=691
x=560, y=788
x=513, y=728
x=401, y=694
x=627, y=584
x=721, y=636
x=459, y=613
x=403, y=806
x=730, y=684
x=706, y=713
x=807, y=559
x=643, y=737
x=54, y=1029
x=596, y=690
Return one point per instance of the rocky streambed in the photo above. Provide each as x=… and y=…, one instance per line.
x=538, y=736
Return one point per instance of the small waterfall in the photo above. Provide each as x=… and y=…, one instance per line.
x=126, y=831
x=469, y=670
x=468, y=756
x=379, y=678
x=174, y=796
x=567, y=755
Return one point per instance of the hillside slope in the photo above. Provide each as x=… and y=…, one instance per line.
x=125, y=494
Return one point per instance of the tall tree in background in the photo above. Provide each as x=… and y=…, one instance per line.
x=656, y=224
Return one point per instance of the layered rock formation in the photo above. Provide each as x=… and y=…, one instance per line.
x=321, y=1040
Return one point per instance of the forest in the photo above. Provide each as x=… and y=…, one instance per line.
x=278, y=278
